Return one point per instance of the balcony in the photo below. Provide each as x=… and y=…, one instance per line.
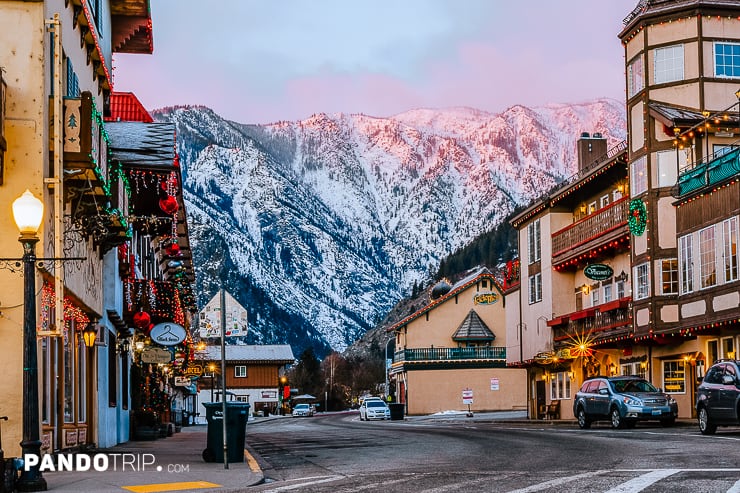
x=719, y=168
x=601, y=324
x=448, y=358
x=601, y=230
x=85, y=149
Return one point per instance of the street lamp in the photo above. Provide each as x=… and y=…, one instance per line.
x=27, y=212
x=212, y=369
x=89, y=335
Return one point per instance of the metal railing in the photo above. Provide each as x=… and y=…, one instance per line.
x=450, y=354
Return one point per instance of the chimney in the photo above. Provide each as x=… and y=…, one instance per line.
x=590, y=148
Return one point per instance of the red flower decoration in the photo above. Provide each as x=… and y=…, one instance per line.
x=142, y=319
x=168, y=205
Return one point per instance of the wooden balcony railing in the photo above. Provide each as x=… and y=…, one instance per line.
x=597, y=324
x=596, y=229
x=85, y=144
x=450, y=354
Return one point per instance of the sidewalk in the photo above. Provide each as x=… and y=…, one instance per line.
x=165, y=464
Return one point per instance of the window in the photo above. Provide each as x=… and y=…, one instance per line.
x=638, y=369
x=604, y=201
x=533, y=241
x=620, y=289
x=240, y=371
x=639, y=176
x=642, y=278
x=728, y=348
x=592, y=207
x=729, y=254
x=608, y=293
x=673, y=377
x=707, y=258
x=594, y=296
x=635, y=77
x=668, y=64
x=81, y=380
x=686, y=264
x=68, y=374
x=242, y=398
x=73, y=83
x=727, y=60
x=535, y=288
x=668, y=166
x=112, y=372
x=669, y=276
x=560, y=386
x=712, y=351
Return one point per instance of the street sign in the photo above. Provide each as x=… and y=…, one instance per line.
x=467, y=396
x=494, y=384
x=182, y=381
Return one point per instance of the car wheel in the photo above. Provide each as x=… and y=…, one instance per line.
x=583, y=422
x=667, y=422
x=616, y=418
x=706, y=425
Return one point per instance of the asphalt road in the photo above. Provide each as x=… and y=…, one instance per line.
x=340, y=453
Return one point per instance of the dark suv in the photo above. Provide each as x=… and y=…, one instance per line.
x=718, y=397
x=624, y=401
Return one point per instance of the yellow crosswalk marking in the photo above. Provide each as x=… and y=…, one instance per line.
x=187, y=485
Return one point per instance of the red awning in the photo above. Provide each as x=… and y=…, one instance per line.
x=588, y=312
x=607, y=307
x=558, y=321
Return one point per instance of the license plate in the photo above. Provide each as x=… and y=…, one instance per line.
x=657, y=412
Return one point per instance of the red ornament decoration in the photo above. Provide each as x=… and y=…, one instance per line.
x=173, y=249
x=168, y=205
x=142, y=319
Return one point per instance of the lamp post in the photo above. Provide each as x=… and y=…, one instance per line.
x=27, y=212
x=385, y=363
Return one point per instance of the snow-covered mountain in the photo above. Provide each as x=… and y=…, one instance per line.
x=320, y=226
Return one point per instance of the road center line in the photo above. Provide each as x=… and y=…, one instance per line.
x=641, y=482
x=557, y=482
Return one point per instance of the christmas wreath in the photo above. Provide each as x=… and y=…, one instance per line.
x=638, y=217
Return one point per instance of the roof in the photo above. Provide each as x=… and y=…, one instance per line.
x=473, y=329
x=657, y=11
x=275, y=353
x=674, y=116
x=459, y=286
x=125, y=106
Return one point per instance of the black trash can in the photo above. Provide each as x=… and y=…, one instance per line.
x=237, y=414
x=396, y=410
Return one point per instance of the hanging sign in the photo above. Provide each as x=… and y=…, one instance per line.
x=193, y=371
x=210, y=318
x=155, y=355
x=485, y=298
x=168, y=334
x=598, y=272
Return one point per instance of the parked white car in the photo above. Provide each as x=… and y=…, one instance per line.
x=302, y=410
x=374, y=409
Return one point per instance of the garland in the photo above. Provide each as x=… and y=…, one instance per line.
x=637, y=217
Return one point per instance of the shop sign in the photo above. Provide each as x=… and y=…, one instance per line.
x=598, y=272
x=182, y=381
x=168, y=334
x=155, y=355
x=193, y=371
x=485, y=299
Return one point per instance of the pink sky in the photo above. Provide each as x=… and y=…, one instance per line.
x=262, y=61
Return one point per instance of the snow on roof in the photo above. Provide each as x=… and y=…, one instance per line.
x=275, y=353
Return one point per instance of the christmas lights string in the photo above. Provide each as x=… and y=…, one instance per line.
x=71, y=310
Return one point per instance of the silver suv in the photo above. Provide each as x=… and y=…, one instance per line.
x=623, y=401
x=718, y=397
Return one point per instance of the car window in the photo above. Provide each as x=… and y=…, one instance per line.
x=636, y=386
x=602, y=385
x=730, y=370
x=375, y=404
x=714, y=375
